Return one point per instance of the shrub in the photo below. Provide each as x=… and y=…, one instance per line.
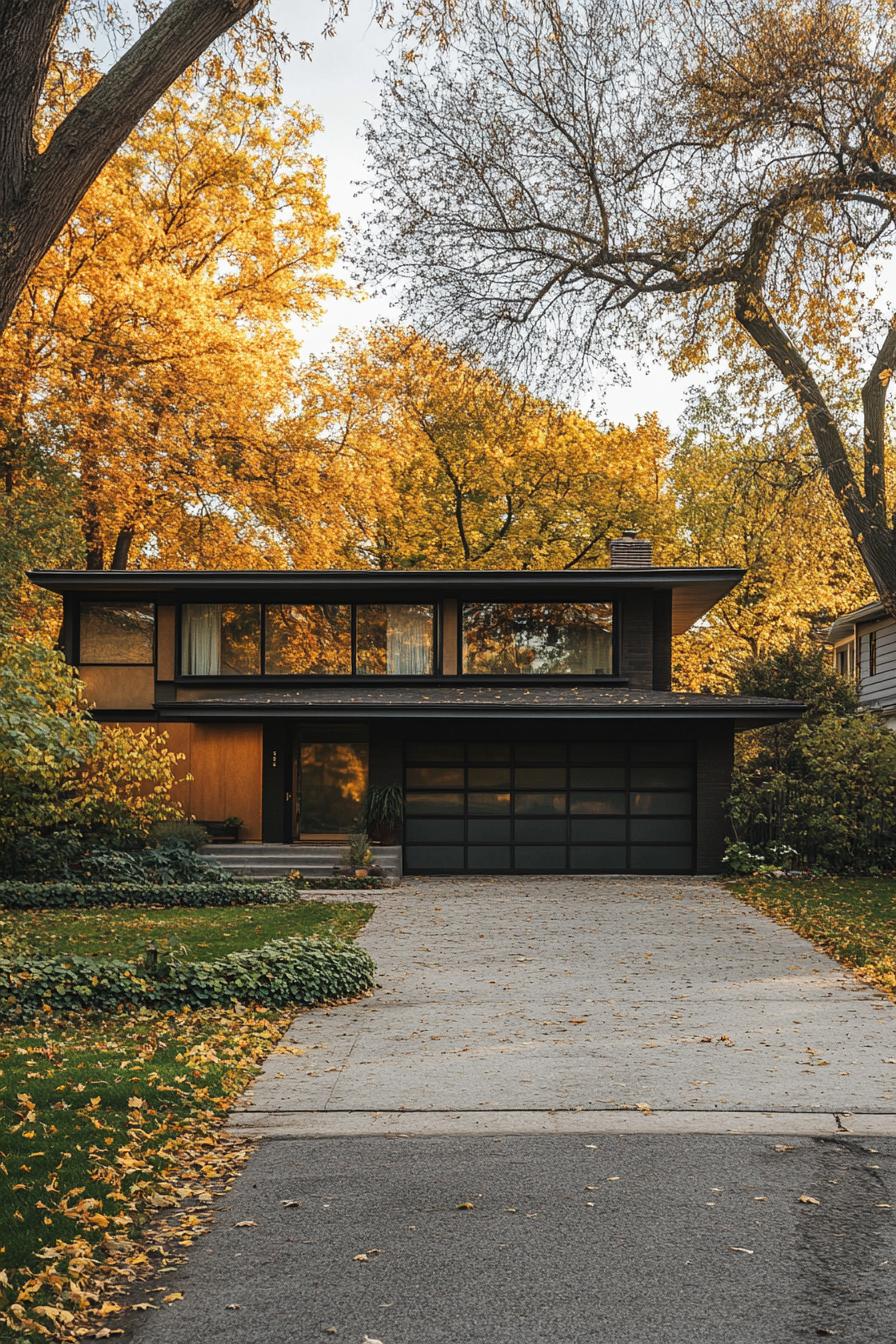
x=188, y=833
x=83, y=895
x=825, y=785
x=279, y=974
x=60, y=770
x=170, y=862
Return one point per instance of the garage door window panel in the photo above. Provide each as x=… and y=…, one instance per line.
x=434, y=804
x=661, y=804
x=539, y=804
x=488, y=804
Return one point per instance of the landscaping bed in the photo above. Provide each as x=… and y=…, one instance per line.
x=109, y=1118
x=852, y=919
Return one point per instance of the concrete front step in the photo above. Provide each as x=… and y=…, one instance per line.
x=269, y=861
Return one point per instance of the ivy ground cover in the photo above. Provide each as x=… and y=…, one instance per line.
x=108, y=1119
x=852, y=919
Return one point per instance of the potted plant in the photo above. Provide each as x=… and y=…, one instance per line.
x=383, y=813
x=358, y=855
x=228, y=829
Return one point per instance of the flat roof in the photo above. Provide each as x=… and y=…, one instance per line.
x=694, y=590
x=500, y=702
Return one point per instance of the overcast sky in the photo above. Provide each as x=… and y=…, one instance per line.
x=338, y=83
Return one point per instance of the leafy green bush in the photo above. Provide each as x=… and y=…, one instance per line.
x=824, y=786
x=172, y=861
x=279, y=974
x=188, y=833
x=83, y=895
x=222, y=891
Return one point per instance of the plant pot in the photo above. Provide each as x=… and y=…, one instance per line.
x=360, y=872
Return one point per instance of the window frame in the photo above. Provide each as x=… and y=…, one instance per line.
x=504, y=677
x=292, y=678
x=78, y=661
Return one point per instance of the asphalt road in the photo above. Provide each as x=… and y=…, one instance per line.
x=666, y=1239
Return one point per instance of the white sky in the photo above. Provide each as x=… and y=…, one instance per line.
x=338, y=84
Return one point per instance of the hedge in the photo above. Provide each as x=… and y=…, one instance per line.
x=81, y=895
x=281, y=973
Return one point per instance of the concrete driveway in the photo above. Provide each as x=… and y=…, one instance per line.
x=566, y=1004
x=451, y=1159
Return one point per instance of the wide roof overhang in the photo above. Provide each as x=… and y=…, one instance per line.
x=497, y=704
x=694, y=590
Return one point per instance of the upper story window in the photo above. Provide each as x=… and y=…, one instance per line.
x=307, y=639
x=395, y=639
x=220, y=639
x=872, y=653
x=538, y=638
x=115, y=632
x=302, y=639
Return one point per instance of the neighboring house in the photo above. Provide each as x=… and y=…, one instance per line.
x=864, y=647
x=527, y=715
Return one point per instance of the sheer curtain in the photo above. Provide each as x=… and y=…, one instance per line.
x=408, y=641
x=201, y=635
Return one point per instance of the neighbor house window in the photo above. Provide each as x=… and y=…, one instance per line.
x=394, y=639
x=112, y=632
x=872, y=653
x=540, y=638
x=846, y=659
x=220, y=639
x=308, y=639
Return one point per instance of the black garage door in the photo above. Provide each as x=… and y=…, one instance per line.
x=549, y=807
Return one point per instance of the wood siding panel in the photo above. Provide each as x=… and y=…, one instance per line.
x=450, y=617
x=119, y=687
x=225, y=762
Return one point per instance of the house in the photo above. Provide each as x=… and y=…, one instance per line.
x=527, y=715
x=864, y=646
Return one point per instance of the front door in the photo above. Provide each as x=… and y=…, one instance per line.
x=331, y=785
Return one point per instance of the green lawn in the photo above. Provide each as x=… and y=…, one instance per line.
x=192, y=935
x=852, y=919
x=104, y=1119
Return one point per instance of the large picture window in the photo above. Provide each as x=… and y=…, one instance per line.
x=308, y=639
x=394, y=639
x=221, y=640
x=538, y=638
x=112, y=632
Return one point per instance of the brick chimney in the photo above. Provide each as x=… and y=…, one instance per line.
x=631, y=551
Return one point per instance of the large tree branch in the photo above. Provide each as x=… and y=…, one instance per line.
x=874, y=398
x=97, y=126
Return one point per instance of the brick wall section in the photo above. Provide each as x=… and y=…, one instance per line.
x=715, y=757
x=636, y=653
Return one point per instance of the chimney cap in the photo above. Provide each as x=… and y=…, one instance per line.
x=630, y=551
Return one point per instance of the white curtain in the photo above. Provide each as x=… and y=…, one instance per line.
x=201, y=635
x=408, y=641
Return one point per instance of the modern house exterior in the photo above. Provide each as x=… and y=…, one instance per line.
x=864, y=646
x=528, y=716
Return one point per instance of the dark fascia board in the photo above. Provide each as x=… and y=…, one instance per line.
x=740, y=718
x=694, y=590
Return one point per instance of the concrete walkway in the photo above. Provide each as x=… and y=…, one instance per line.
x=532, y=1005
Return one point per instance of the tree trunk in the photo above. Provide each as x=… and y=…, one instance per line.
x=39, y=192
x=122, y=552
